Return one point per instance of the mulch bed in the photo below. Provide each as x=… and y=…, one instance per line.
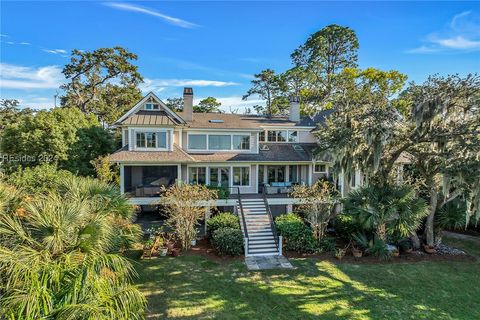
x=416, y=256
x=204, y=249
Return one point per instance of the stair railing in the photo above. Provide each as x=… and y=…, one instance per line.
x=272, y=225
x=245, y=236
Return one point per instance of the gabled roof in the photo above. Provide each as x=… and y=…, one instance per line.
x=144, y=117
x=137, y=107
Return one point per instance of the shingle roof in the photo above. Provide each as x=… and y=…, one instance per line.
x=124, y=155
x=275, y=153
x=144, y=117
x=234, y=121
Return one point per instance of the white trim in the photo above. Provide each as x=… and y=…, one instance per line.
x=276, y=136
x=122, y=179
x=320, y=164
x=299, y=128
x=310, y=174
x=207, y=135
x=179, y=173
x=168, y=139
x=139, y=104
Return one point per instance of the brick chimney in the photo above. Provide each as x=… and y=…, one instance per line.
x=187, y=104
x=294, y=109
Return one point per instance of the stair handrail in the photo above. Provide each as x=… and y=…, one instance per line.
x=241, y=212
x=270, y=217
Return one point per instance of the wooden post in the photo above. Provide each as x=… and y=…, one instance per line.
x=207, y=216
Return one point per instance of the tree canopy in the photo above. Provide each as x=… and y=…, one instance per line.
x=209, y=104
x=435, y=125
x=268, y=85
x=103, y=82
x=61, y=135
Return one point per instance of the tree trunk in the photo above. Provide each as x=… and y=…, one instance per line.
x=429, y=232
x=415, y=241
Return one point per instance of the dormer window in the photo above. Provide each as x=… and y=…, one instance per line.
x=152, y=106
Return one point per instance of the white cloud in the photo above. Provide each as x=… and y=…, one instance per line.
x=3, y=35
x=461, y=34
x=160, y=84
x=55, y=51
x=20, y=77
x=458, y=42
x=37, y=103
x=134, y=8
x=25, y=43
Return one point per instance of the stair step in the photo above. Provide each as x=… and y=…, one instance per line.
x=256, y=232
x=266, y=242
x=262, y=252
x=260, y=237
x=271, y=249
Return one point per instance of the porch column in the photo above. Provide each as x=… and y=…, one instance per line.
x=310, y=174
x=258, y=177
x=289, y=208
x=207, y=216
x=287, y=173
x=122, y=179
x=179, y=173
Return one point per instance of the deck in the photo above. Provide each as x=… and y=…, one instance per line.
x=273, y=199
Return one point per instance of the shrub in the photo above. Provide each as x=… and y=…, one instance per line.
x=222, y=192
x=228, y=241
x=327, y=244
x=222, y=220
x=345, y=226
x=40, y=179
x=181, y=202
x=452, y=216
x=297, y=235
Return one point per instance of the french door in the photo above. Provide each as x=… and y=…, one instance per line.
x=220, y=176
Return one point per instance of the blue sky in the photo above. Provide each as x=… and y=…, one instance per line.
x=216, y=47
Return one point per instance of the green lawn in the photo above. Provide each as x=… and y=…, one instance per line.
x=193, y=287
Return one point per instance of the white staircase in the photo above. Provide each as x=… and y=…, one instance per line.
x=259, y=239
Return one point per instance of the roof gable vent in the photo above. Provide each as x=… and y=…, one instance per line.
x=264, y=147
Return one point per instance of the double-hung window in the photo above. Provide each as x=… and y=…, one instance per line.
x=241, y=142
x=151, y=140
x=241, y=176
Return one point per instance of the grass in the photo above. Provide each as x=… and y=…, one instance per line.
x=191, y=287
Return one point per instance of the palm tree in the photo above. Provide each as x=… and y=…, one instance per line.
x=386, y=209
x=58, y=259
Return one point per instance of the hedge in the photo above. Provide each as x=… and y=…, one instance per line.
x=222, y=220
x=228, y=241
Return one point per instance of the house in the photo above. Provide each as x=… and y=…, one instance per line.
x=249, y=154
x=256, y=158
